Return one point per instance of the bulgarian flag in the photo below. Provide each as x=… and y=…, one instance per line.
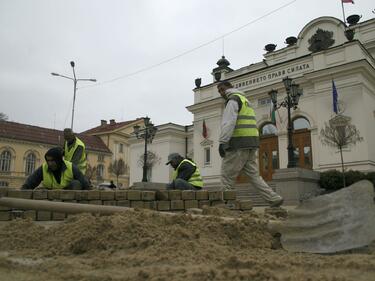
x=204, y=130
x=347, y=1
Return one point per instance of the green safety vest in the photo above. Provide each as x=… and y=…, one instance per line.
x=195, y=178
x=49, y=180
x=68, y=154
x=245, y=134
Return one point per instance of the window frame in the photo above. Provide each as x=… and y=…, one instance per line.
x=30, y=164
x=207, y=162
x=5, y=161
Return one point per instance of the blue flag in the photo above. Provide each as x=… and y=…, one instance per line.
x=334, y=95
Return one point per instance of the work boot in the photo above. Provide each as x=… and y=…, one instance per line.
x=277, y=203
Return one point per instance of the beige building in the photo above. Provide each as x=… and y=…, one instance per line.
x=22, y=149
x=115, y=135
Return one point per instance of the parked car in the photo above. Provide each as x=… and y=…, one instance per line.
x=104, y=186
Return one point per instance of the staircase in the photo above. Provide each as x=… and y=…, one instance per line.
x=244, y=192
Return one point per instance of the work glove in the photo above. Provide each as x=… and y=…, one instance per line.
x=222, y=148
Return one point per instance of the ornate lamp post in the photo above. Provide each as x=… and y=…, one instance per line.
x=293, y=93
x=75, y=80
x=147, y=133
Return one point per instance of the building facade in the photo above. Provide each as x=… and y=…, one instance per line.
x=169, y=138
x=321, y=53
x=22, y=149
x=116, y=135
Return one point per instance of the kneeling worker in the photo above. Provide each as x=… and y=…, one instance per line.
x=186, y=175
x=75, y=150
x=57, y=173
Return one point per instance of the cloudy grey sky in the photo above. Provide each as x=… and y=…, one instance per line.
x=116, y=38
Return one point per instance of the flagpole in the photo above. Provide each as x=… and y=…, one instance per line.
x=343, y=12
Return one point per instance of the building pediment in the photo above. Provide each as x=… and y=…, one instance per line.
x=207, y=142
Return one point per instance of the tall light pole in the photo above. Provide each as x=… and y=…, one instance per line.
x=147, y=133
x=75, y=80
x=293, y=93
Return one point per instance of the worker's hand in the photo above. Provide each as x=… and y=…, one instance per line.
x=222, y=148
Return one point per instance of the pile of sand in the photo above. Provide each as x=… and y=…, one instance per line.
x=137, y=231
x=145, y=245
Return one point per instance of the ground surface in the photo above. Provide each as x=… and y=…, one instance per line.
x=145, y=245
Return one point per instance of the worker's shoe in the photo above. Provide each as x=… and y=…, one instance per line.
x=277, y=203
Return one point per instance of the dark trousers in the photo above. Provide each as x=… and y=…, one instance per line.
x=181, y=184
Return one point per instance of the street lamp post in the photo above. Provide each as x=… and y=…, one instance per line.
x=75, y=80
x=147, y=133
x=293, y=93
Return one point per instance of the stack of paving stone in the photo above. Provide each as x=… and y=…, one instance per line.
x=161, y=200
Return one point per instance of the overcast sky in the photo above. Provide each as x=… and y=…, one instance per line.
x=114, y=39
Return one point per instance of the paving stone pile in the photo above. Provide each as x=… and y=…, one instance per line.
x=161, y=200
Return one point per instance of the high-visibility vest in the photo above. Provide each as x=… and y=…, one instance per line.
x=49, y=180
x=245, y=134
x=68, y=154
x=195, y=178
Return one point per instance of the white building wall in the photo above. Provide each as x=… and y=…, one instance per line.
x=169, y=138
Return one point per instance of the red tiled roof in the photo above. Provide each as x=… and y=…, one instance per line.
x=18, y=131
x=109, y=127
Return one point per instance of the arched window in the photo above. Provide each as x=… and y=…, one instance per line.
x=30, y=163
x=5, y=159
x=268, y=129
x=301, y=123
x=100, y=171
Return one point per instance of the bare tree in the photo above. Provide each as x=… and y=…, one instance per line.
x=118, y=168
x=152, y=159
x=339, y=133
x=3, y=117
x=90, y=172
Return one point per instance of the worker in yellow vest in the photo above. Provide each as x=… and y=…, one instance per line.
x=239, y=142
x=56, y=173
x=74, y=150
x=186, y=175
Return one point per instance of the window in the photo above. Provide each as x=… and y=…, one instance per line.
x=5, y=158
x=100, y=171
x=268, y=129
x=100, y=158
x=264, y=101
x=30, y=163
x=207, y=156
x=120, y=148
x=275, y=159
x=4, y=183
x=149, y=174
x=307, y=153
x=265, y=161
x=301, y=123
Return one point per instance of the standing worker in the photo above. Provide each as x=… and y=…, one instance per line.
x=56, y=173
x=74, y=150
x=186, y=175
x=239, y=141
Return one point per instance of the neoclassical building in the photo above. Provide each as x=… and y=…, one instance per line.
x=323, y=51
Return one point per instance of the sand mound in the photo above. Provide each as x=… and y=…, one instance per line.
x=145, y=245
x=135, y=231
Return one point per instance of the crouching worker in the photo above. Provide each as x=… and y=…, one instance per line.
x=186, y=175
x=57, y=173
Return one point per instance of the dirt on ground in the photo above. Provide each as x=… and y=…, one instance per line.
x=147, y=245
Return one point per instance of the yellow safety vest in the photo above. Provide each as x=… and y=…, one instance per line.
x=245, y=134
x=68, y=154
x=49, y=180
x=195, y=178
